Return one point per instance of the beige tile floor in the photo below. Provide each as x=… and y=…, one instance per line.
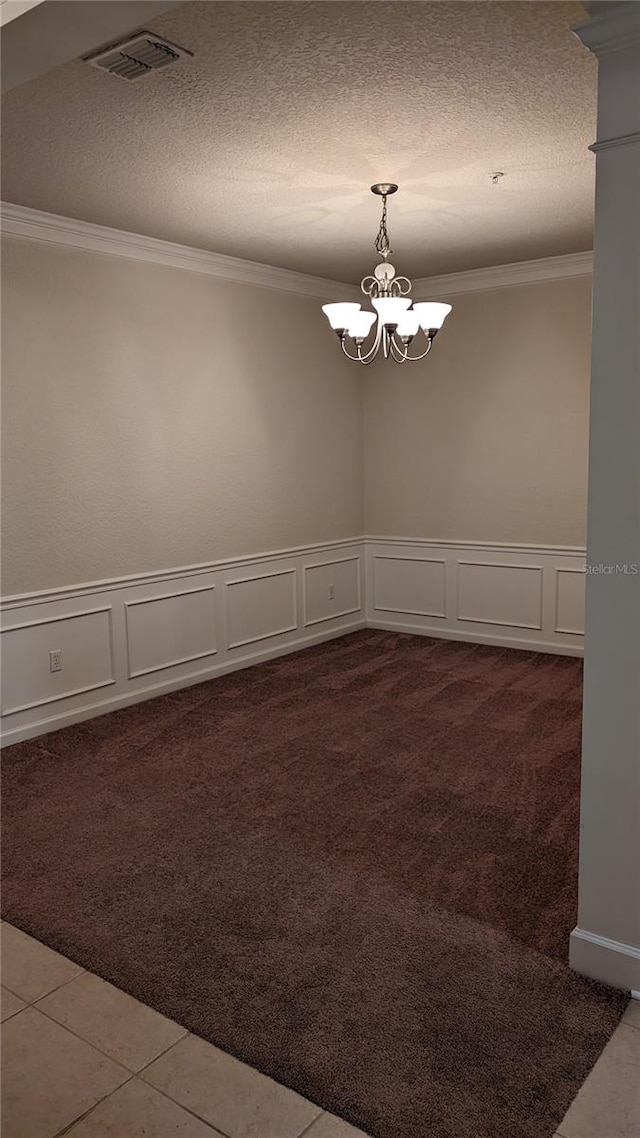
x=83, y=1059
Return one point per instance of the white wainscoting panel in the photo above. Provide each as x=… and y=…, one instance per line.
x=412, y=585
x=331, y=589
x=494, y=594
x=260, y=607
x=140, y=636
x=84, y=642
x=507, y=595
x=174, y=628
x=133, y=638
x=570, y=598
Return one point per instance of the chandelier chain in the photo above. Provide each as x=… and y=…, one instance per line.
x=383, y=246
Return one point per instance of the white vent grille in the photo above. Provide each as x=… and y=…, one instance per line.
x=138, y=57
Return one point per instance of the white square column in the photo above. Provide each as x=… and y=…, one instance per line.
x=606, y=942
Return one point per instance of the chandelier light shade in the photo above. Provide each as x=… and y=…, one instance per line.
x=395, y=322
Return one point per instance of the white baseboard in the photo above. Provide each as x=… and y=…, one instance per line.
x=130, y=638
x=505, y=641
x=606, y=960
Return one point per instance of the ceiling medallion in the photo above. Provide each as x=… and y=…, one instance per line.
x=397, y=321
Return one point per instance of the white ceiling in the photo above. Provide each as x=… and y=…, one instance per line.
x=264, y=145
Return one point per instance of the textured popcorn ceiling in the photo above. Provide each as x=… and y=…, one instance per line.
x=264, y=145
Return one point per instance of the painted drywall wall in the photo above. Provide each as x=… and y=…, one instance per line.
x=486, y=439
x=155, y=417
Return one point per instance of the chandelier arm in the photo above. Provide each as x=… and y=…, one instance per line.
x=354, y=359
x=360, y=359
x=366, y=360
x=368, y=357
x=398, y=350
x=413, y=359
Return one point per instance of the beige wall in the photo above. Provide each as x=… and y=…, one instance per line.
x=155, y=418
x=486, y=440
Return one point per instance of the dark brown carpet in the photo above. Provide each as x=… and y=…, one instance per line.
x=354, y=867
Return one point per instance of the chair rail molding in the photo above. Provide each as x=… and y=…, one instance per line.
x=175, y=627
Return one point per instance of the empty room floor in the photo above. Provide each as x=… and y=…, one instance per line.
x=84, y=1059
x=352, y=869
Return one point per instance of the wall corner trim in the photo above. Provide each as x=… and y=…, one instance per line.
x=53, y=229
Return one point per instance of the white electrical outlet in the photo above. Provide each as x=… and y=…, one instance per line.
x=332, y=593
x=55, y=660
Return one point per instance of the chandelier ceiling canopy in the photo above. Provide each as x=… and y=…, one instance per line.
x=395, y=322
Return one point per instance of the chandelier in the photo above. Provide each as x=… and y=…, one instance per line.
x=398, y=322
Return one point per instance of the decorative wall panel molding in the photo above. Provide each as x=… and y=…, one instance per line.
x=331, y=589
x=493, y=594
x=570, y=598
x=170, y=629
x=143, y=635
x=140, y=636
x=260, y=607
x=415, y=586
x=83, y=640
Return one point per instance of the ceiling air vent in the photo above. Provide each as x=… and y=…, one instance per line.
x=137, y=57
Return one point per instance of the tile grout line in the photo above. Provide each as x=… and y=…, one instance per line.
x=82, y=972
x=176, y=1102
x=64, y=1027
x=313, y=1122
x=79, y=1118
x=31, y=1003
x=82, y=1039
x=8, y=989
x=164, y=1052
x=13, y=1015
x=215, y=1127
x=87, y=1113
x=187, y=1109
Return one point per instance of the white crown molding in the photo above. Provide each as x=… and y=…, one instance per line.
x=505, y=276
x=52, y=229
